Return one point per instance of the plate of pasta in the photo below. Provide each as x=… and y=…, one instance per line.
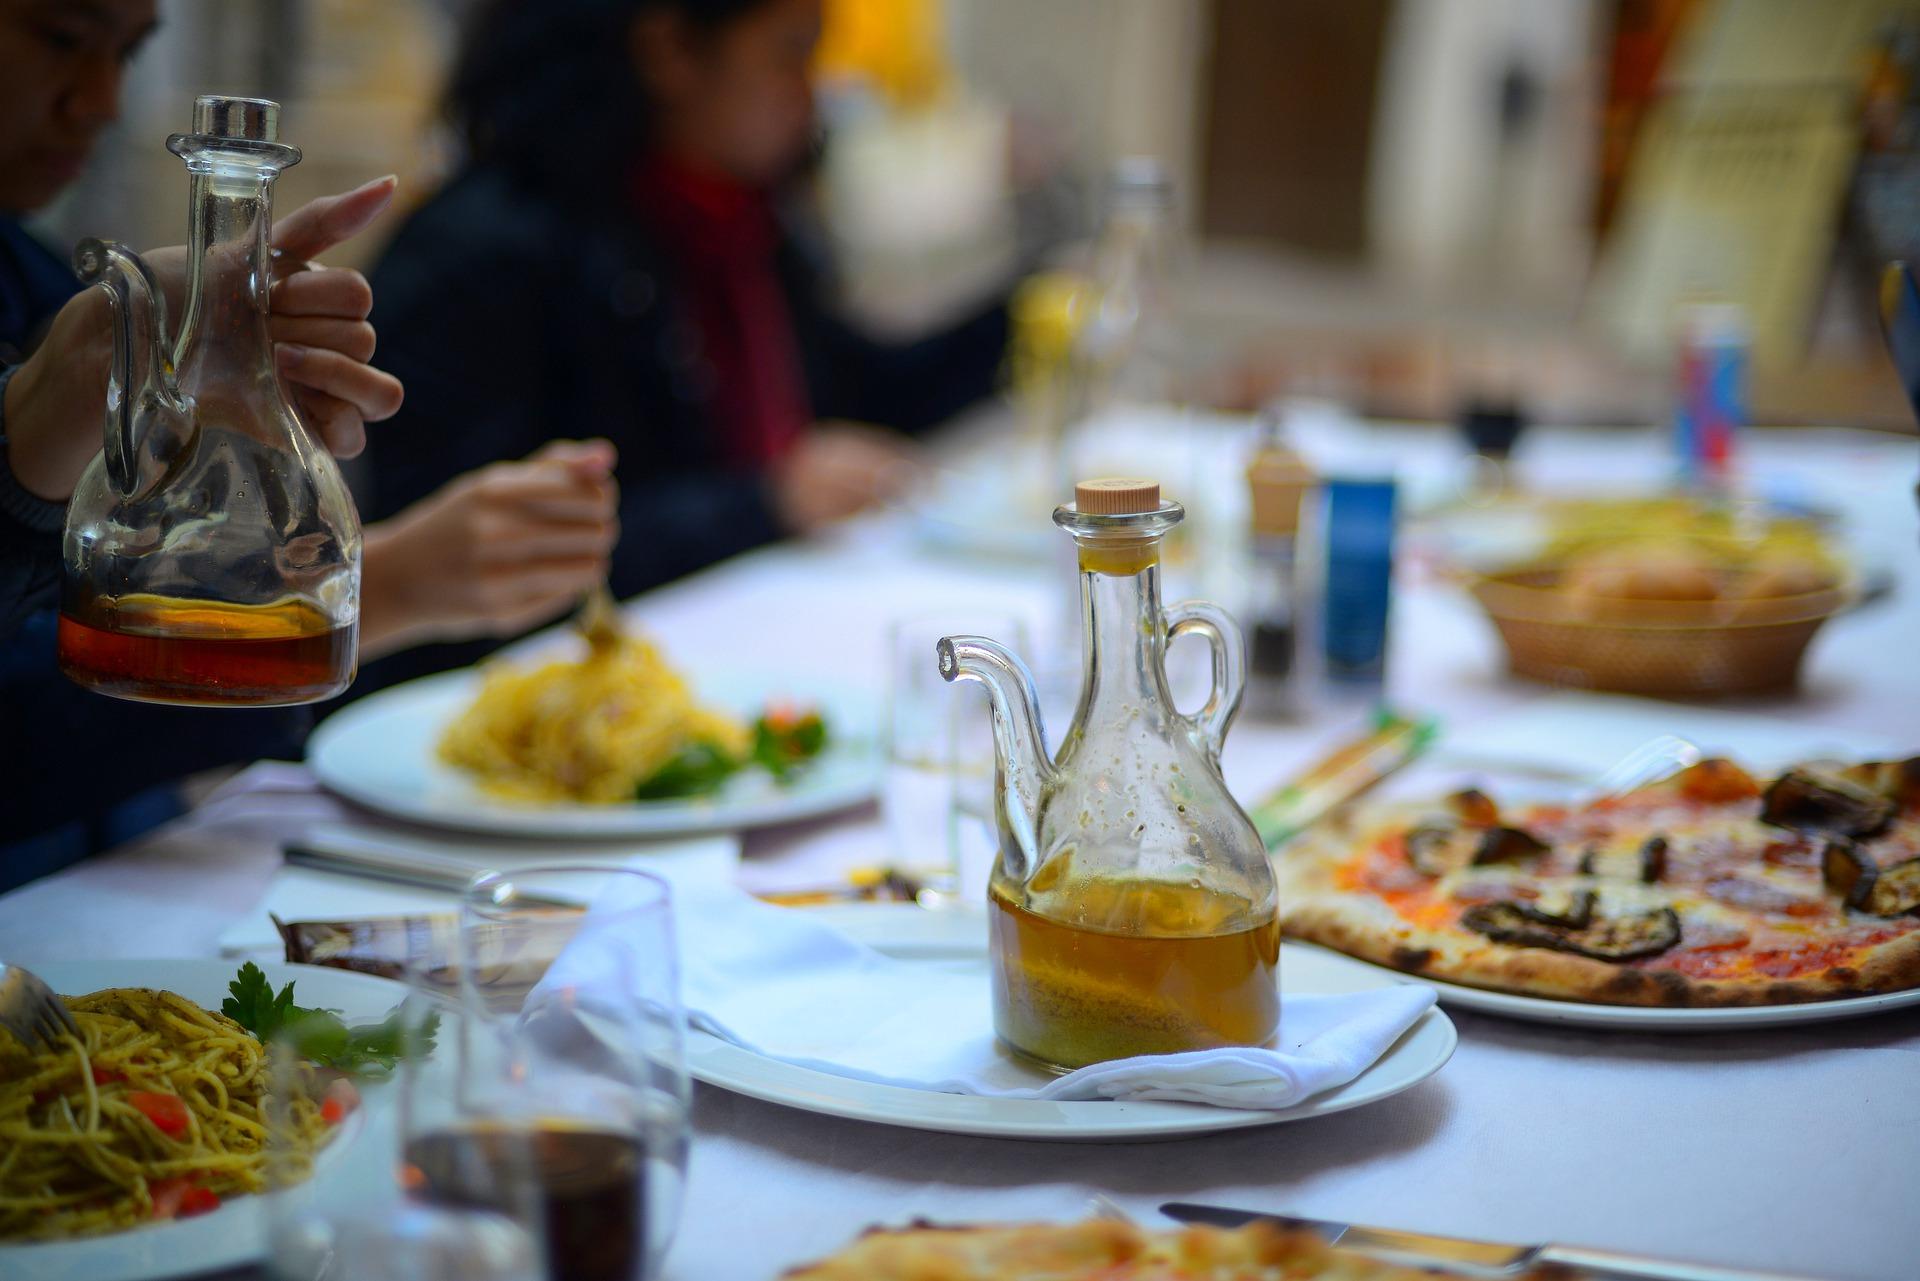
x=604, y=739
x=140, y=1149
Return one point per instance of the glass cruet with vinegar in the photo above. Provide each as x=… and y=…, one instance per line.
x=212, y=551
x=1132, y=909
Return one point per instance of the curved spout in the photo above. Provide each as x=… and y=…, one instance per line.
x=1019, y=743
x=141, y=390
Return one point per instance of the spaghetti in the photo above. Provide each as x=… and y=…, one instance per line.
x=592, y=730
x=157, y=1108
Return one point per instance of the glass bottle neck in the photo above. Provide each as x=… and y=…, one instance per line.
x=229, y=269
x=1123, y=634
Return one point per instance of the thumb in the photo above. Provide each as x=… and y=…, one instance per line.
x=319, y=225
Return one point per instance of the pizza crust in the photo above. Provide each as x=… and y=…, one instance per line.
x=1105, y=1250
x=1313, y=907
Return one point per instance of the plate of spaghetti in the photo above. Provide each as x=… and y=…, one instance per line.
x=140, y=1149
x=601, y=741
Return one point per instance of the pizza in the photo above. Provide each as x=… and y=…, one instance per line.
x=1106, y=1250
x=1708, y=888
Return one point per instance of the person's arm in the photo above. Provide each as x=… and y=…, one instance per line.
x=29, y=537
x=87, y=754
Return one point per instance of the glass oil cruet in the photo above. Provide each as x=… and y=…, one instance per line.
x=1132, y=908
x=212, y=551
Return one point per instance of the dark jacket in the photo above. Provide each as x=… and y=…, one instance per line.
x=514, y=317
x=29, y=540
x=33, y=285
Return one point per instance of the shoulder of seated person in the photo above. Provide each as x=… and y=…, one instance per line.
x=483, y=209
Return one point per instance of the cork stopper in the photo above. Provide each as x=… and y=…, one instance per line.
x=1116, y=496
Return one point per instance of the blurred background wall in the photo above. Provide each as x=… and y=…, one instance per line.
x=1400, y=202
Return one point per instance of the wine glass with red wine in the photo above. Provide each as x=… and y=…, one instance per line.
x=565, y=1108
x=324, y=1219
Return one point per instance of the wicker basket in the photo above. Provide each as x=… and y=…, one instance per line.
x=1669, y=649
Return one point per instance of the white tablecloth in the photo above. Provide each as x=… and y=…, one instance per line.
x=1794, y=1150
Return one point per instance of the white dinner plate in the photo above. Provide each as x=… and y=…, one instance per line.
x=236, y=1233
x=379, y=752
x=1637, y=1018
x=958, y=939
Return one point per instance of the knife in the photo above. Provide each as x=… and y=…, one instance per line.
x=422, y=871
x=1472, y=1258
x=453, y=876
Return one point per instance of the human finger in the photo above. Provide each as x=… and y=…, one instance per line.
x=374, y=392
x=511, y=542
x=339, y=292
x=339, y=425
x=353, y=339
x=521, y=584
x=584, y=457
x=546, y=491
x=319, y=225
x=535, y=611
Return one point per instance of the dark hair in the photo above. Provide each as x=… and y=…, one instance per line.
x=547, y=89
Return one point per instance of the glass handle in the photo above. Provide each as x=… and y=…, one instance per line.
x=140, y=379
x=1202, y=618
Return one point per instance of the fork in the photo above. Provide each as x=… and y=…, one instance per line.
x=1650, y=762
x=30, y=1010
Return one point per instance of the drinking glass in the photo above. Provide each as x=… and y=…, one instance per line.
x=328, y=1222
x=938, y=795
x=567, y=1107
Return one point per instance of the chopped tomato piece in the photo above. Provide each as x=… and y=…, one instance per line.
x=339, y=1102
x=106, y=1076
x=167, y=1111
x=1716, y=781
x=182, y=1198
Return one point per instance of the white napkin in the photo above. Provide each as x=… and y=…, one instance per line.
x=774, y=981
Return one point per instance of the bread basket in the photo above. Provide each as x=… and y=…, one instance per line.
x=1663, y=648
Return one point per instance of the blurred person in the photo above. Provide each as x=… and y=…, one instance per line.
x=616, y=241
x=491, y=552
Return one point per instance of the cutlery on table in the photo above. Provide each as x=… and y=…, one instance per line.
x=30, y=1010
x=1340, y=776
x=1653, y=760
x=1476, y=1258
x=452, y=876
x=422, y=871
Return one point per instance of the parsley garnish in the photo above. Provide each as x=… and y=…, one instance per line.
x=364, y=1049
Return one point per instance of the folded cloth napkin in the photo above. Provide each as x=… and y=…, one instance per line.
x=774, y=981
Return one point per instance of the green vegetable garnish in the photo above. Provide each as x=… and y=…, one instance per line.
x=364, y=1049
x=699, y=768
x=785, y=739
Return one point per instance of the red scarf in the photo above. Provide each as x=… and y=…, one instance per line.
x=722, y=238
